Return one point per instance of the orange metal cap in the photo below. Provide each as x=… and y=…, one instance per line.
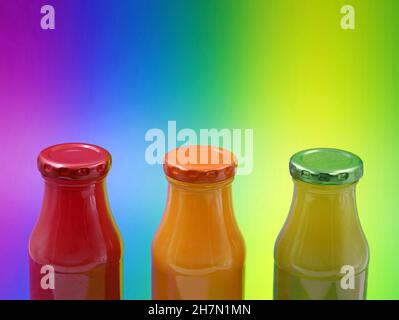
x=200, y=164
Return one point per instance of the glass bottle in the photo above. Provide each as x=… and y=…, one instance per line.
x=75, y=248
x=321, y=252
x=198, y=251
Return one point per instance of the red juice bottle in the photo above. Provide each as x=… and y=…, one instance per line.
x=75, y=249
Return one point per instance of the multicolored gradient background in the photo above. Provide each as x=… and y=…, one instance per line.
x=114, y=69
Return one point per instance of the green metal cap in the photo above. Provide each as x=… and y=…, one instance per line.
x=326, y=166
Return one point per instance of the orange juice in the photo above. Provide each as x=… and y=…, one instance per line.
x=321, y=252
x=198, y=251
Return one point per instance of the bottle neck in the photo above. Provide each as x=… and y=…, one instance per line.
x=198, y=229
x=328, y=201
x=75, y=226
x=188, y=199
x=74, y=201
x=322, y=232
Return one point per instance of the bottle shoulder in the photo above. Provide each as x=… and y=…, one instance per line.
x=67, y=243
x=308, y=249
x=204, y=251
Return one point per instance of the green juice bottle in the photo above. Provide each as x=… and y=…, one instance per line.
x=321, y=253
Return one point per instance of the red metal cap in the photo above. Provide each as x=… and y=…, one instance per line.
x=200, y=164
x=74, y=162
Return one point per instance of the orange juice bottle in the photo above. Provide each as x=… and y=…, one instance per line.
x=321, y=252
x=198, y=251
